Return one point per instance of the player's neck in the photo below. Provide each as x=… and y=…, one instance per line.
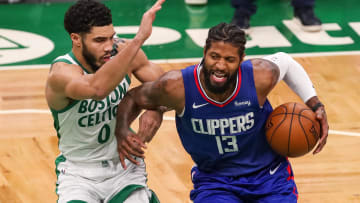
x=220, y=97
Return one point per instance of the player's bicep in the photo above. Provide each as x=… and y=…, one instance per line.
x=168, y=90
x=266, y=75
x=55, y=80
x=80, y=88
x=144, y=70
x=69, y=81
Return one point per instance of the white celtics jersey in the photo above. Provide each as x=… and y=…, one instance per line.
x=86, y=128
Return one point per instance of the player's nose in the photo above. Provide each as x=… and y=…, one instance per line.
x=221, y=64
x=108, y=46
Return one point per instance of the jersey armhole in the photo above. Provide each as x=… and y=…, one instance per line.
x=182, y=113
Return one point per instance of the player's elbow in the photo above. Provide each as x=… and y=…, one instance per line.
x=99, y=94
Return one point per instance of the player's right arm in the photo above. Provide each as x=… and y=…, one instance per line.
x=165, y=93
x=67, y=82
x=111, y=73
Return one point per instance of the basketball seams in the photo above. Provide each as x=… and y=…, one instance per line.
x=286, y=135
x=310, y=119
x=303, y=129
x=312, y=122
x=299, y=115
x=277, y=127
x=290, y=127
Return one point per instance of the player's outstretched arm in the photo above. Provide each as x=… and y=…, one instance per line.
x=112, y=72
x=148, y=18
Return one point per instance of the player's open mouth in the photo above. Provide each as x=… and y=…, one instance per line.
x=106, y=58
x=218, y=77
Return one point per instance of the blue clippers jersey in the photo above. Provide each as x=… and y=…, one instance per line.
x=226, y=138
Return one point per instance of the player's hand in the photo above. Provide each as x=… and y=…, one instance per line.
x=147, y=20
x=324, y=126
x=129, y=146
x=149, y=123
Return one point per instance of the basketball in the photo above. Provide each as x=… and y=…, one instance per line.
x=292, y=129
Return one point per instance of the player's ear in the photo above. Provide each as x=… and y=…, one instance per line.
x=76, y=39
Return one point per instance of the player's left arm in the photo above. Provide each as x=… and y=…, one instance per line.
x=298, y=80
x=165, y=93
x=145, y=71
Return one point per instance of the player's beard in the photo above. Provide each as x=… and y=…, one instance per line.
x=231, y=80
x=90, y=58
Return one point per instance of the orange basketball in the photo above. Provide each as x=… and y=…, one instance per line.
x=292, y=129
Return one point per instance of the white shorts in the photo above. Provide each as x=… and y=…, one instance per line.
x=104, y=181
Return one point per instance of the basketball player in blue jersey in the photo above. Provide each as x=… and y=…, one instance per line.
x=83, y=90
x=221, y=107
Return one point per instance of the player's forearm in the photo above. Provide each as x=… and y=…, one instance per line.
x=149, y=123
x=314, y=103
x=113, y=72
x=127, y=111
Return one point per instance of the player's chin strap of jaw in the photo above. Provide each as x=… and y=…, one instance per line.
x=294, y=76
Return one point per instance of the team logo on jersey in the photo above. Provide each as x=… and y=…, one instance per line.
x=242, y=103
x=17, y=46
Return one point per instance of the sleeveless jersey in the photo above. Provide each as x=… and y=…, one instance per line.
x=225, y=138
x=85, y=128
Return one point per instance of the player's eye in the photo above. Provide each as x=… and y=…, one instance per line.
x=99, y=39
x=230, y=59
x=215, y=56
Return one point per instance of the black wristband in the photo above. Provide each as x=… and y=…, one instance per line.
x=316, y=106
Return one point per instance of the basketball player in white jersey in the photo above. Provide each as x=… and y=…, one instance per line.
x=83, y=90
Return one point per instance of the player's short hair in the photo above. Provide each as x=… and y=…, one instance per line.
x=228, y=33
x=85, y=14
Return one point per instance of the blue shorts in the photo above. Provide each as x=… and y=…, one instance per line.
x=272, y=184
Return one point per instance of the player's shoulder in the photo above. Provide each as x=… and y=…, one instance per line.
x=169, y=81
x=263, y=64
x=265, y=73
x=172, y=75
x=63, y=67
x=66, y=63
